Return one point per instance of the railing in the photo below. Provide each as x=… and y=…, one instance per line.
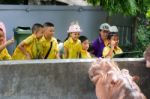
x=125, y=35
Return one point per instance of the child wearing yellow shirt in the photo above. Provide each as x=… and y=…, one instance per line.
x=49, y=43
x=4, y=55
x=85, y=46
x=112, y=48
x=30, y=47
x=72, y=45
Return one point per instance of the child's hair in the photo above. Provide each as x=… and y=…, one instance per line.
x=59, y=41
x=67, y=37
x=83, y=38
x=91, y=49
x=48, y=24
x=36, y=27
x=110, y=35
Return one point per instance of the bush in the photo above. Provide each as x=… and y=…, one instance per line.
x=143, y=39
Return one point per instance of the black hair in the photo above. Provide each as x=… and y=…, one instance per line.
x=67, y=37
x=59, y=41
x=36, y=27
x=91, y=49
x=110, y=35
x=83, y=38
x=100, y=30
x=48, y=24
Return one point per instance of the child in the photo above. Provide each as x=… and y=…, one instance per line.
x=61, y=48
x=112, y=48
x=4, y=55
x=49, y=42
x=101, y=41
x=72, y=45
x=30, y=47
x=85, y=46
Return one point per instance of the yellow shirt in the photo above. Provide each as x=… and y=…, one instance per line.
x=4, y=55
x=32, y=46
x=106, y=42
x=106, y=50
x=84, y=54
x=46, y=46
x=73, y=48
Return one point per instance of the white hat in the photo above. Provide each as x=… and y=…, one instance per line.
x=113, y=29
x=74, y=27
x=104, y=26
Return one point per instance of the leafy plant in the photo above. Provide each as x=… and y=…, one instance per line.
x=143, y=38
x=126, y=7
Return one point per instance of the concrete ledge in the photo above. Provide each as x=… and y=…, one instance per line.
x=59, y=79
x=41, y=61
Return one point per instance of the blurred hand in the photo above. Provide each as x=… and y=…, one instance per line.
x=11, y=41
x=112, y=43
x=28, y=56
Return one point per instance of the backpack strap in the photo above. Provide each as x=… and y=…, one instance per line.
x=80, y=56
x=51, y=44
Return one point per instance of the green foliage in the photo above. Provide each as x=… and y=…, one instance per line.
x=126, y=7
x=148, y=14
x=143, y=39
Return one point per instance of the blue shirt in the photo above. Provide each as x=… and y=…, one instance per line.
x=98, y=46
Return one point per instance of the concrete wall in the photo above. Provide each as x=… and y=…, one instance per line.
x=89, y=18
x=58, y=79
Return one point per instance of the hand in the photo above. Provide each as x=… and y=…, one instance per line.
x=136, y=78
x=28, y=56
x=11, y=41
x=112, y=44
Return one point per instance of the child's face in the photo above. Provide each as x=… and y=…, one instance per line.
x=85, y=45
x=39, y=34
x=116, y=39
x=49, y=31
x=104, y=34
x=75, y=35
x=1, y=36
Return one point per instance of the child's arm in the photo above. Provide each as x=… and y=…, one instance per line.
x=110, y=53
x=7, y=55
x=21, y=47
x=57, y=51
x=66, y=47
x=65, y=52
x=24, y=43
x=11, y=41
x=57, y=55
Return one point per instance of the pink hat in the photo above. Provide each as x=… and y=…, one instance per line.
x=74, y=28
x=2, y=27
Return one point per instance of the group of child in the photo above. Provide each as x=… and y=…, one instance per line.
x=43, y=45
x=106, y=44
